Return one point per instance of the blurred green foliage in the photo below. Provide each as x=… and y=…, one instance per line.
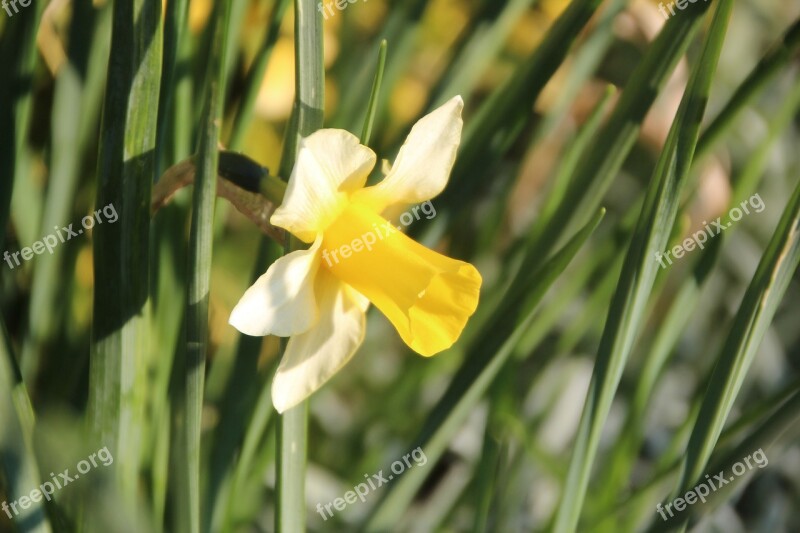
x=591, y=384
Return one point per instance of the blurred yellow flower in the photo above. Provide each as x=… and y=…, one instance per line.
x=319, y=296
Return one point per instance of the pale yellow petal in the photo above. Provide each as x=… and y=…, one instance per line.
x=424, y=162
x=282, y=301
x=313, y=357
x=330, y=164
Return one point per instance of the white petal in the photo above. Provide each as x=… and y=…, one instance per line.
x=423, y=164
x=282, y=301
x=313, y=357
x=329, y=164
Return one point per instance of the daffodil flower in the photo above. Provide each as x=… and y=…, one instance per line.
x=320, y=304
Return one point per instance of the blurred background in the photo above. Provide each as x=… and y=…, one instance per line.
x=500, y=464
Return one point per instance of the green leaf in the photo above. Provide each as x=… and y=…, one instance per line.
x=372, y=105
x=17, y=460
x=499, y=116
x=401, y=28
x=18, y=49
x=125, y=171
x=765, y=71
x=76, y=105
x=199, y=274
x=677, y=316
x=174, y=34
x=483, y=42
x=598, y=168
x=639, y=272
x=780, y=426
x=765, y=292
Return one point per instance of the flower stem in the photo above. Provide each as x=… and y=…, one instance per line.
x=199, y=275
x=292, y=432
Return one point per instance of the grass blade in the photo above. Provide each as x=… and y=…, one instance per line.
x=585, y=63
x=780, y=425
x=639, y=272
x=125, y=170
x=199, y=267
x=74, y=106
x=598, y=168
x=759, y=304
x=770, y=66
x=372, y=106
x=485, y=43
x=17, y=459
x=18, y=49
x=499, y=116
x=681, y=307
x=400, y=29
x=174, y=35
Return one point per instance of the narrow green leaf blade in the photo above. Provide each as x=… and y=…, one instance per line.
x=125, y=173
x=759, y=304
x=639, y=272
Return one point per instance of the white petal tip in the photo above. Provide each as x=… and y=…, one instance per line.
x=282, y=400
x=241, y=323
x=454, y=105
